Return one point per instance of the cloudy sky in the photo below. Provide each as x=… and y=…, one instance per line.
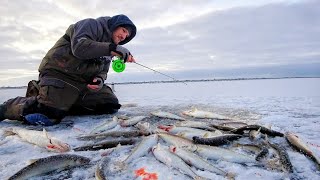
x=173, y=36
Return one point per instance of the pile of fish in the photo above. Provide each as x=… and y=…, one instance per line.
x=195, y=140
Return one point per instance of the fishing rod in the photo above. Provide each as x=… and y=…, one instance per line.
x=159, y=72
x=118, y=65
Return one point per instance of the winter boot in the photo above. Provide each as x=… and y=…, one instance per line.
x=13, y=108
x=2, y=111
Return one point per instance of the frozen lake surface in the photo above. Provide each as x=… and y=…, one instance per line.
x=287, y=105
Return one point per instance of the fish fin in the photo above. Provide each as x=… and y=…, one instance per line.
x=45, y=133
x=259, y=130
x=31, y=161
x=206, y=135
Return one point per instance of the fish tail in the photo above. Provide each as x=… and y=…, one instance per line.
x=9, y=132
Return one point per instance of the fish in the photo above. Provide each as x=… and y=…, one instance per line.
x=263, y=130
x=217, y=140
x=254, y=148
x=142, y=148
x=130, y=133
x=48, y=164
x=205, y=114
x=172, y=160
x=188, y=132
x=39, y=138
x=178, y=141
x=195, y=124
x=283, y=157
x=217, y=153
x=132, y=121
x=299, y=145
x=106, y=144
x=101, y=168
x=196, y=161
x=260, y=150
x=105, y=126
x=167, y=115
x=228, y=126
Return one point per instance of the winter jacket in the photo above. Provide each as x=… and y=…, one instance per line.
x=79, y=53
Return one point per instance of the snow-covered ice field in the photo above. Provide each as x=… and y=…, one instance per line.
x=284, y=104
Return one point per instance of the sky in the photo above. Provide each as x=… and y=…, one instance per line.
x=173, y=37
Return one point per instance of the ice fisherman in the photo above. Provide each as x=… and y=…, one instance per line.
x=72, y=73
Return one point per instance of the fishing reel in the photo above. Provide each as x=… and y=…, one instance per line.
x=118, y=64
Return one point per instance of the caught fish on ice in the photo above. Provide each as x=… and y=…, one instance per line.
x=39, y=138
x=48, y=164
x=205, y=114
x=167, y=115
x=105, y=126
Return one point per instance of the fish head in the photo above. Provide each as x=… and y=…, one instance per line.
x=290, y=134
x=57, y=146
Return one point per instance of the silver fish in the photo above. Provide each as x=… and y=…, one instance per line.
x=131, y=133
x=260, y=150
x=217, y=153
x=48, y=164
x=299, y=145
x=172, y=160
x=106, y=144
x=178, y=141
x=195, y=124
x=188, y=132
x=205, y=114
x=168, y=115
x=144, y=146
x=39, y=138
x=132, y=121
x=106, y=126
x=196, y=161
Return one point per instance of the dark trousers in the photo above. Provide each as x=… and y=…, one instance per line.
x=57, y=97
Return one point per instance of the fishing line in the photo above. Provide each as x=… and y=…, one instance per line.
x=160, y=73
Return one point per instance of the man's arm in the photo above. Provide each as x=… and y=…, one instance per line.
x=84, y=40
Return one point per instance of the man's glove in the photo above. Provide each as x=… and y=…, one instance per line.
x=96, y=84
x=124, y=52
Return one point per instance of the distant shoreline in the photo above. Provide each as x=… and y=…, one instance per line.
x=180, y=81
